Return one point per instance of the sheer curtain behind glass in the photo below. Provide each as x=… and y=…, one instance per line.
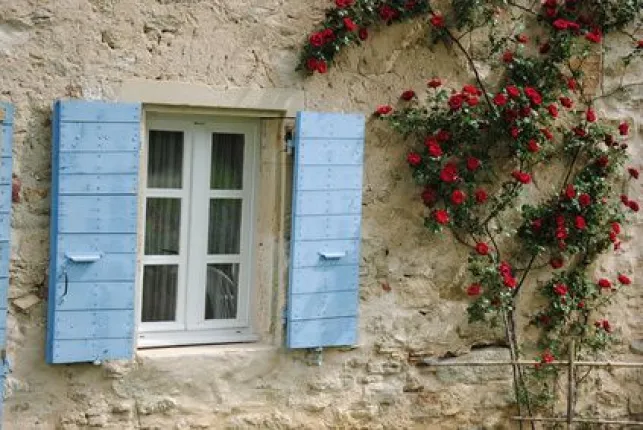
x=162, y=225
x=224, y=230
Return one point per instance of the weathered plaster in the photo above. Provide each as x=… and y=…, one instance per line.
x=412, y=298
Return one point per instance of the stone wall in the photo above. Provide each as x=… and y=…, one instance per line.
x=412, y=299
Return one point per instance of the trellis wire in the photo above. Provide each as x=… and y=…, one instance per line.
x=571, y=365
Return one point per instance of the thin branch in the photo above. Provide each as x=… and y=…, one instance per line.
x=617, y=90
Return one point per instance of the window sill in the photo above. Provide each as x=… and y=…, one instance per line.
x=206, y=350
x=189, y=339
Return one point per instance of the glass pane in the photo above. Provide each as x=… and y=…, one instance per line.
x=221, y=291
x=165, y=162
x=227, y=162
x=224, y=232
x=162, y=226
x=159, y=293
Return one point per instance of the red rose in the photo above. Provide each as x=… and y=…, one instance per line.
x=482, y=248
x=633, y=172
x=547, y=357
x=414, y=159
x=624, y=199
x=603, y=161
x=328, y=34
x=533, y=95
x=584, y=200
x=567, y=102
x=437, y=20
x=312, y=64
x=349, y=24
x=532, y=146
x=616, y=227
x=341, y=4
x=509, y=281
x=384, y=109
x=561, y=233
x=472, y=101
x=429, y=196
x=363, y=33
x=536, y=224
x=553, y=110
x=550, y=3
x=510, y=115
x=455, y=101
x=387, y=13
x=316, y=40
x=508, y=57
x=434, y=149
x=556, y=263
x=606, y=326
x=410, y=4
x=561, y=289
x=434, y=83
x=481, y=196
x=624, y=128
x=560, y=24
x=515, y=132
x=473, y=163
x=639, y=44
x=525, y=111
x=624, y=279
x=474, y=290
x=613, y=237
x=521, y=38
x=443, y=135
x=580, y=132
x=449, y=173
x=544, y=48
x=560, y=220
x=522, y=177
x=513, y=91
x=594, y=36
x=441, y=216
x=408, y=95
x=570, y=191
x=458, y=197
x=571, y=84
x=634, y=205
x=604, y=283
x=580, y=222
x=500, y=99
x=590, y=115
x=471, y=90
x=547, y=134
x=322, y=67
x=550, y=12
x=504, y=269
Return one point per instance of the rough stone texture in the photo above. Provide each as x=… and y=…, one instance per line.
x=412, y=298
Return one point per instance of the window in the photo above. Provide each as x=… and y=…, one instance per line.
x=195, y=274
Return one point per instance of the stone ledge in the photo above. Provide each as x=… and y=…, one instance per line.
x=205, y=351
x=278, y=101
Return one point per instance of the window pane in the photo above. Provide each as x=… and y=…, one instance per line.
x=221, y=291
x=165, y=162
x=162, y=226
x=159, y=293
x=224, y=232
x=227, y=162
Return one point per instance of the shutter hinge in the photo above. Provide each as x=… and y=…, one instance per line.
x=284, y=315
x=289, y=139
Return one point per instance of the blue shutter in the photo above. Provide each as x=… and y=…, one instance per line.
x=326, y=222
x=5, y=235
x=93, y=231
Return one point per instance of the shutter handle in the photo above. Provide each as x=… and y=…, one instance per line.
x=332, y=255
x=83, y=258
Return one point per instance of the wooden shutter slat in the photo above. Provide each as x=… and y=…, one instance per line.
x=94, y=213
x=323, y=295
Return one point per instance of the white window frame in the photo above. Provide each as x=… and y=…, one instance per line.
x=189, y=327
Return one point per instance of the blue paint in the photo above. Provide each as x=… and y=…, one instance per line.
x=6, y=148
x=323, y=296
x=93, y=212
